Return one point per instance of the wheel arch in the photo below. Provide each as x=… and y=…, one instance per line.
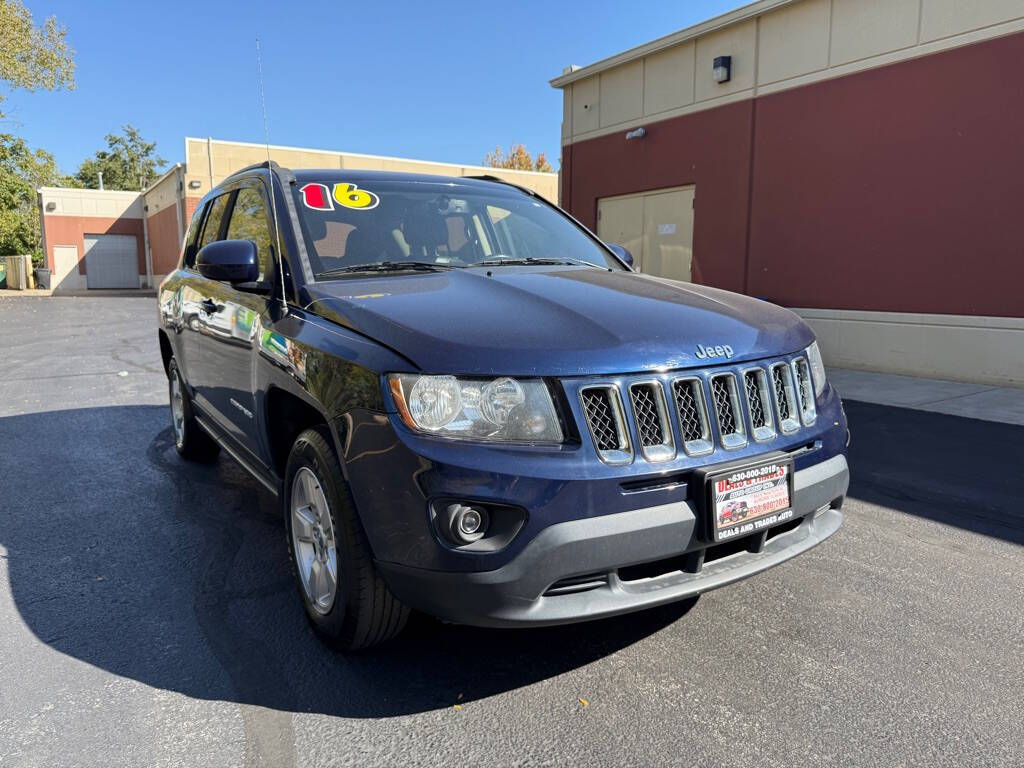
x=288, y=416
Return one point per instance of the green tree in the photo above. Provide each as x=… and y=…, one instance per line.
x=517, y=159
x=127, y=159
x=22, y=172
x=31, y=57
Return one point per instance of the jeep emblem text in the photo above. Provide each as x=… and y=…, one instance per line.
x=721, y=351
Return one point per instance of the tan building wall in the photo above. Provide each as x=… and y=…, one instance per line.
x=774, y=45
x=209, y=161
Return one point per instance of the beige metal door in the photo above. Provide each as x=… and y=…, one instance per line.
x=65, y=268
x=656, y=227
x=620, y=220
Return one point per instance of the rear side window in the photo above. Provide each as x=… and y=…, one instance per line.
x=211, y=229
x=249, y=222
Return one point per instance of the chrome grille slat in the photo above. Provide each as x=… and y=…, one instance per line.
x=759, y=404
x=785, y=397
x=603, y=411
x=805, y=390
x=726, y=402
x=688, y=395
x=650, y=415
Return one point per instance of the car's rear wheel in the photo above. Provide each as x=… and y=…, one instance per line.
x=190, y=440
x=346, y=600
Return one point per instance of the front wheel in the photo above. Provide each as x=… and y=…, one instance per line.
x=346, y=600
x=190, y=440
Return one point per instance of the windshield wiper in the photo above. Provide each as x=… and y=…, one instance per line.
x=387, y=266
x=528, y=260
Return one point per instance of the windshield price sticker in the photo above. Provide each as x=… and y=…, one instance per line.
x=750, y=500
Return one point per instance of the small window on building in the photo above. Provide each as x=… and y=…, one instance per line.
x=249, y=222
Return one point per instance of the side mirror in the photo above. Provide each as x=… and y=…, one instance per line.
x=233, y=261
x=622, y=253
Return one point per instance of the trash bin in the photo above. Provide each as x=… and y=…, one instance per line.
x=3, y=273
x=43, y=279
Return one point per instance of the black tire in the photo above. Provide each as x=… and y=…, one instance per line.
x=191, y=442
x=364, y=612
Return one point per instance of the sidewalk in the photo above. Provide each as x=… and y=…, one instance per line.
x=136, y=292
x=973, y=401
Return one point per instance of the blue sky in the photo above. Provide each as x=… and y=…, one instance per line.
x=438, y=81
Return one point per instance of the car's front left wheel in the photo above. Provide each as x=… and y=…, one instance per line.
x=190, y=440
x=346, y=600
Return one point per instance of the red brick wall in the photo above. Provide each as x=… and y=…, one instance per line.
x=163, y=240
x=71, y=230
x=898, y=188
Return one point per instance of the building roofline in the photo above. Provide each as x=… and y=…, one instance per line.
x=684, y=35
x=484, y=168
x=173, y=169
x=84, y=190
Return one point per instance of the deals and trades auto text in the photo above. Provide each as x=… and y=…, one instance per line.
x=751, y=500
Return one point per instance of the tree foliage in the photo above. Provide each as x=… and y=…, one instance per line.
x=517, y=159
x=127, y=159
x=31, y=57
x=22, y=172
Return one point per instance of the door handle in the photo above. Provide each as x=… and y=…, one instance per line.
x=208, y=306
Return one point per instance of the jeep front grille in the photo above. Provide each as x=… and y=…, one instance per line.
x=657, y=416
x=693, y=419
x=806, y=391
x=603, y=410
x=727, y=411
x=652, y=423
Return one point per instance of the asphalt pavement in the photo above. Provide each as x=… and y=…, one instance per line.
x=148, y=617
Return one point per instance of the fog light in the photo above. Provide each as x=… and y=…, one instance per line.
x=466, y=524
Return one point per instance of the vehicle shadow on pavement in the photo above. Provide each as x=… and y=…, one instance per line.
x=949, y=469
x=123, y=556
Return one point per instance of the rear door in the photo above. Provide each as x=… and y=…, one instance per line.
x=233, y=319
x=191, y=311
x=111, y=261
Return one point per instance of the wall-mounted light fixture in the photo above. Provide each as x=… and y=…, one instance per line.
x=722, y=71
x=51, y=206
x=195, y=184
x=636, y=133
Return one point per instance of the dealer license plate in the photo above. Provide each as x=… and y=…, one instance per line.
x=749, y=499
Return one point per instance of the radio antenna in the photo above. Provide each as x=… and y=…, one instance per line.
x=270, y=171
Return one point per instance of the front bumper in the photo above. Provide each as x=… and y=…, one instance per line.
x=526, y=592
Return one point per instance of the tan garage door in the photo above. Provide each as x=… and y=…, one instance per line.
x=656, y=227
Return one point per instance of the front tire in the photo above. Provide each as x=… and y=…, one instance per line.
x=190, y=440
x=346, y=600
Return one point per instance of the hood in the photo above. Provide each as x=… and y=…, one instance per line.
x=556, y=321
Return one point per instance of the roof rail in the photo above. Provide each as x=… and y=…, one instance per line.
x=284, y=173
x=489, y=177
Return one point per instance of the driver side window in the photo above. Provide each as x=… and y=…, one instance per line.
x=249, y=222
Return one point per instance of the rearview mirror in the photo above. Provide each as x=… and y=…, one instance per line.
x=622, y=253
x=233, y=261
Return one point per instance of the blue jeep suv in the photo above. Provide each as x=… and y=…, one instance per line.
x=471, y=406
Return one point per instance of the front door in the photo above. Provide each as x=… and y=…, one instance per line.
x=232, y=319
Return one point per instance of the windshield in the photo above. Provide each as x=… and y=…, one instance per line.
x=404, y=225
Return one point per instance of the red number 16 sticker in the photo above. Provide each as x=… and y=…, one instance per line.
x=320, y=198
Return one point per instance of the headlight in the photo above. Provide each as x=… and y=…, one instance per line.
x=502, y=409
x=817, y=368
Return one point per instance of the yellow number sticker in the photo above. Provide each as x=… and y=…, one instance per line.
x=350, y=196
